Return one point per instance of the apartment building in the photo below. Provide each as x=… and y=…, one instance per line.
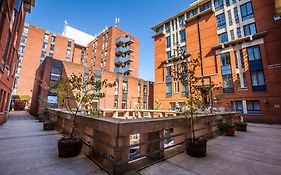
x=129, y=92
x=12, y=17
x=114, y=50
x=238, y=43
x=35, y=45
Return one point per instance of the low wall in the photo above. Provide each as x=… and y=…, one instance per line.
x=107, y=140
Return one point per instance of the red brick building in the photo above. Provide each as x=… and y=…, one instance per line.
x=36, y=44
x=238, y=43
x=114, y=50
x=12, y=17
x=129, y=93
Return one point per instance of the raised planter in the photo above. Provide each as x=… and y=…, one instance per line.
x=196, y=148
x=230, y=131
x=69, y=147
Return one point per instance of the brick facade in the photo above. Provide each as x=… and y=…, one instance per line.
x=12, y=17
x=259, y=103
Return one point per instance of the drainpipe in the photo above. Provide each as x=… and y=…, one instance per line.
x=200, y=49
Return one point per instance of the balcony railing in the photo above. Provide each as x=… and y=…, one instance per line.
x=120, y=50
x=121, y=40
x=107, y=140
x=121, y=60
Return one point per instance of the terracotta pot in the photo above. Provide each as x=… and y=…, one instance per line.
x=69, y=147
x=196, y=149
x=230, y=131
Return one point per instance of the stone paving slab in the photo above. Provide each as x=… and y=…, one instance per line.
x=257, y=151
x=25, y=149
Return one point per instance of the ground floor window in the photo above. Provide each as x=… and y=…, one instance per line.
x=124, y=105
x=253, y=107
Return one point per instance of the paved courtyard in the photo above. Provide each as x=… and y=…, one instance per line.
x=256, y=152
x=25, y=149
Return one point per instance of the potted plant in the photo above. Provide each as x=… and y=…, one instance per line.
x=75, y=93
x=241, y=125
x=195, y=146
x=227, y=128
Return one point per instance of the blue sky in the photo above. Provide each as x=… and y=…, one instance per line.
x=91, y=16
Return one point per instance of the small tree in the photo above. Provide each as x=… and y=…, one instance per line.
x=195, y=99
x=76, y=93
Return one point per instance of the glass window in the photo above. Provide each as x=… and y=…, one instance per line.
x=236, y=16
x=124, y=105
x=192, y=13
x=169, y=54
x=245, y=80
x=205, y=6
x=250, y=29
x=227, y=2
x=53, y=39
x=116, y=88
x=46, y=37
x=144, y=90
x=168, y=41
x=257, y=78
x=168, y=89
x=225, y=59
x=227, y=84
x=182, y=36
x=247, y=11
x=125, y=87
x=254, y=53
x=69, y=44
x=239, y=35
x=223, y=37
x=239, y=81
x=218, y=4
x=253, y=107
x=233, y=1
x=159, y=29
x=167, y=27
x=237, y=106
x=221, y=21
x=169, y=71
x=183, y=49
x=182, y=21
x=242, y=58
x=229, y=17
x=232, y=34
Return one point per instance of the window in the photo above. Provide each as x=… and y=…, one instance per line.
x=242, y=58
x=257, y=78
x=167, y=27
x=46, y=37
x=245, y=80
x=115, y=104
x=237, y=106
x=227, y=84
x=250, y=29
x=221, y=21
x=253, y=107
x=7, y=44
x=205, y=6
x=125, y=87
x=51, y=54
x=44, y=46
x=236, y=16
x=247, y=11
x=183, y=49
x=239, y=35
x=192, y=13
x=168, y=71
x=53, y=39
x=169, y=54
x=232, y=35
x=238, y=80
x=159, y=29
x=168, y=41
x=229, y=18
x=69, y=44
x=223, y=37
x=52, y=47
x=67, y=55
x=124, y=105
x=116, y=88
x=227, y=2
x=144, y=90
x=225, y=59
x=144, y=105
x=233, y=1
x=218, y=4
x=254, y=53
x=181, y=21
x=168, y=90
x=182, y=36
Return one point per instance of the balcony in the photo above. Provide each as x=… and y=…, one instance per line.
x=121, y=60
x=122, y=70
x=121, y=50
x=123, y=40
